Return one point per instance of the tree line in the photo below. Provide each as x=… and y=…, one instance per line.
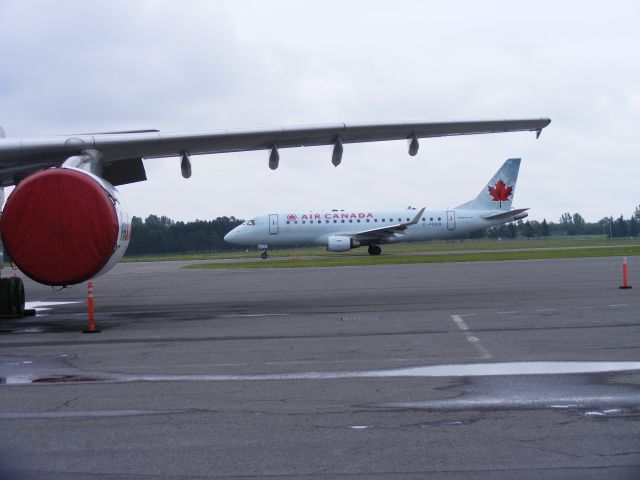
x=161, y=235
x=569, y=224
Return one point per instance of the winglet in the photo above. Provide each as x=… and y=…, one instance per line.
x=416, y=219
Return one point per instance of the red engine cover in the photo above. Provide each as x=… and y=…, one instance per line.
x=59, y=226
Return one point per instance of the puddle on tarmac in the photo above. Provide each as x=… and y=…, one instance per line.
x=462, y=370
x=43, y=306
x=512, y=385
x=23, y=370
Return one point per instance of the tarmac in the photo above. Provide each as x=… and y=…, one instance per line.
x=498, y=370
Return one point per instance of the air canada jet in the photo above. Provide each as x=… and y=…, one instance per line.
x=64, y=223
x=342, y=230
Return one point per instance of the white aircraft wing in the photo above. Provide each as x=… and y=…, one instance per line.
x=388, y=230
x=120, y=153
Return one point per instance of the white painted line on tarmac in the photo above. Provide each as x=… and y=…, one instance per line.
x=619, y=305
x=250, y=315
x=475, y=341
x=460, y=323
x=507, y=313
x=546, y=310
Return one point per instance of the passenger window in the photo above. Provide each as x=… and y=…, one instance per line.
x=439, y=219
x=342, y=221
x=295, y=221
x=350, y=221
x=326, y=221
x=367, y=220
x=358, y=220
x=335, y=221
x=287, y=222
x=431, y=219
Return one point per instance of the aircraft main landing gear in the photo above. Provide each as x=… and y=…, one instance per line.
x=374, y=250
x=264, y=254
x=12, y=297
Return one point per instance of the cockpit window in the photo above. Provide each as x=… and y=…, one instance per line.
x=250, y=222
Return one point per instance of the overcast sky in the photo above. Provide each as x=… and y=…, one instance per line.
x=85, y=66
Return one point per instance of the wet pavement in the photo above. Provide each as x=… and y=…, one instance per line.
x=484, y=370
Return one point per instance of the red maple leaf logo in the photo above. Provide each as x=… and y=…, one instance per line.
x=291, y=216
x=500, y=192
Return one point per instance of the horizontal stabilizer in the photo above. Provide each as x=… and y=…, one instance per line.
x=510, y=213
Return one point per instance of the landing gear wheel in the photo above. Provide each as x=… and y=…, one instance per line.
x=11, y=296
x=374, y=250
x=264, y=255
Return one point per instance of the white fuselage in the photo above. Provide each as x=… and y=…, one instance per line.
x=315, y=228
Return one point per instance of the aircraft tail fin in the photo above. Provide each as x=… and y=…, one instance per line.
x=498, y=193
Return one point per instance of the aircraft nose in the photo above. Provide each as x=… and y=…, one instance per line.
x=230, y=236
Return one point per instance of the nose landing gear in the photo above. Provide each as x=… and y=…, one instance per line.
x=264, y=249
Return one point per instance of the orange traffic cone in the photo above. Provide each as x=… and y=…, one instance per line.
x=625, y=274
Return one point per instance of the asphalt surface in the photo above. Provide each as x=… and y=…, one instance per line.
x=499, y=370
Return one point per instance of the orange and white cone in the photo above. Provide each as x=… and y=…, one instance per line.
x=92, y=327
x=625, y=275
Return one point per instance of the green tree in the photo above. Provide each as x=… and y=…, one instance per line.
x=578, y=224
x=620, y=227
x=527, y=230
x=633, y=226
x=544, y=228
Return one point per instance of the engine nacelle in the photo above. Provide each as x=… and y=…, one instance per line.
x=63, y=226
x=341, y=243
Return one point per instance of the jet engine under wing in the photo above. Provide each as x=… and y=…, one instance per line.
x=388, y=230
x=20, y=157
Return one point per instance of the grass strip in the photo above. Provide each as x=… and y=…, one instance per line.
x=339, y=261
x=418, y=247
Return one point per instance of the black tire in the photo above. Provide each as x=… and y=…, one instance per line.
x=11, y=296
x=5, y=297
x=375, y=250
x=18, y=295
x=264, y=255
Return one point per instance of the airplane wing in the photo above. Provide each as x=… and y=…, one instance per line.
x=120, y=153
x=388, y=230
